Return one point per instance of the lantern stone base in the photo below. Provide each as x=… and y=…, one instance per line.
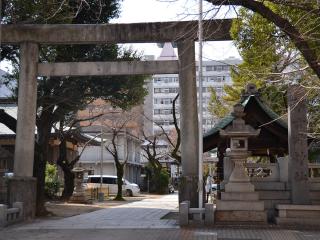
x=242, y=196
x=79, y=197
x=227, y=216
x=241, y=210
x=239, y=203
x=239, y=187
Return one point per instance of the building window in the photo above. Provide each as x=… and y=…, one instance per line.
x=156, y=111
x=218, y=68
x=226, y=68
x=157, y=80
x=157, y=90
x=220, y=79
x=209, y=68
x=173, y=90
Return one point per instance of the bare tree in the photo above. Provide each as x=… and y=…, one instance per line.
x=113, y=148
x=174, y=141
x=151, y=151
x=119, y=124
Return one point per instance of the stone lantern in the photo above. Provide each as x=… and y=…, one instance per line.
x=79, y=195
x=239, y=133
x=239, y=202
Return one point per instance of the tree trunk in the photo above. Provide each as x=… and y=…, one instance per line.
x=44, y=128
x=119, y=167
x=68, y=183
x=66, y=167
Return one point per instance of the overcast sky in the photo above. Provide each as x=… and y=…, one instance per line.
x=174, y=10
x=170, y=10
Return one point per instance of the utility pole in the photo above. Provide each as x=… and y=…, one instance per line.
x=101, y=194
x=200, y=187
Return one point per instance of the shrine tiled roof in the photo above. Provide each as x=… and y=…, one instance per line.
x=224, y=122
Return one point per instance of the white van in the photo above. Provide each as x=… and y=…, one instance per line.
x=110, y=182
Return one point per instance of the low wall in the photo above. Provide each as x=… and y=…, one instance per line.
x=11, y=215
x=271, y=182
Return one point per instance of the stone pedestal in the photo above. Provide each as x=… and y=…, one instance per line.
x=23, y=189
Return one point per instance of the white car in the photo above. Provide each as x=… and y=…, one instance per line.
x=110, y=182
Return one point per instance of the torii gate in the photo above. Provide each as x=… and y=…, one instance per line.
x=29, y=37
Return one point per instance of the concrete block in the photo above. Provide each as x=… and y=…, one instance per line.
x=240, y=205
x=249, y=196
x=208, y=214
x=239, y=187
x=23, y=189
x=241, y=216
x=184, y=213
x=19, y=205
x=3, y=215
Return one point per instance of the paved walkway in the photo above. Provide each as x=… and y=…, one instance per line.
x=140, y=221
x=141, y=214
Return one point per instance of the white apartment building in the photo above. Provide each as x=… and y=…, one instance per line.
x=165, y=87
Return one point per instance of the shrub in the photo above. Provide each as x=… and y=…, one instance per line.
x=52, y=183
x=161, y=181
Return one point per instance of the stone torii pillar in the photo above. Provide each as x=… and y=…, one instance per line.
x=188, y=189
x=298, y=145
x=22, y=187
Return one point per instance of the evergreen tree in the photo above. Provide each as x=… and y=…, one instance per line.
x=59, y=98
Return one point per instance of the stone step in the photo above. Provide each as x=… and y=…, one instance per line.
x=240, y=216
x=274, y=195
x=315, y=195
x=271, y=186
x=297, y=221
x=270, y=204
x=240, y=205
x=314, y=186
x=242, y=196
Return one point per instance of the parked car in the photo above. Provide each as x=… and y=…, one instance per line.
x=214, y=187
x=110, y=182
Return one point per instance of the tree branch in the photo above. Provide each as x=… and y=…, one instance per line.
x=296, y=37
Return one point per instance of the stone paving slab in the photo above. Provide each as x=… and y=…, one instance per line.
x=155, y=234
x=142, y=221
